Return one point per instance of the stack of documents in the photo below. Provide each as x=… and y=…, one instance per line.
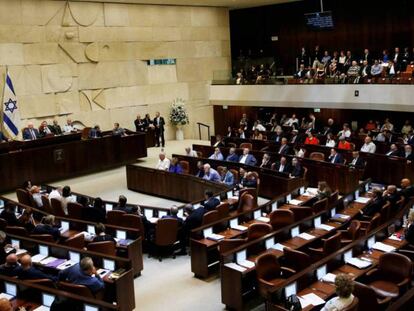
x=359, y=263
x=47, y=260
x=306, y=236
x=325, y=227
x=246, y=263
x=310, y=299
x=383, y=247
x=6, y=296
x=215, y=237
x=264, y=219
x=235, y=266
x=38, y=258
x=65, y=265
x=362, y=200
x=239, y=227
x=341, y=216
x=279, y=247
x=295, y=202
x=329, y=278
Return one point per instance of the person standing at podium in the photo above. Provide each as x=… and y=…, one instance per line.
x=159, y=130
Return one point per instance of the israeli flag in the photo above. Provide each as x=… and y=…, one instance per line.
x=11, y=113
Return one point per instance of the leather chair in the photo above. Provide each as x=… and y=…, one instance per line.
x=281, y=218
x=247, y=202
x=392, y=275
x=368, y=299
x=185, y=165
x=318, y=156
x=227, y=245
x=77, y=241
x=368, y=226
x=329, y=246
x=353, y=306
x=104, y=247
x=134, y=222
x=23, y=197
x=385, y=212
x=166, y=232
x=352, y=233
x=42, y=237
x=57, y=207
x=256, y=176
x=223, y=210
x=44, y=282
x=257, y=230
x=305, y=172
x=220, y=169
x=74, y=210
x=231, y=145
x=296, y=260
x=333, y=199
x=46, y=205
x=16, y=230
x=115, y=217
x=210, y=217
x=270, y=273
x=235, y=174
x=301, y=212
x=80, y=290
x=3, y=224
x=319, y=206
x=246, y=145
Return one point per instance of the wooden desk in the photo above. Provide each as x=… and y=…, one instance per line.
x=61, y=157
x=178, y=187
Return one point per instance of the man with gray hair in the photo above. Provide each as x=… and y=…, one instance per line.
x=190, y=152
x=163, y=162
x=83, y=273
x=30, y=133
x=174, y=215
x=232, y=157
x=211, y=174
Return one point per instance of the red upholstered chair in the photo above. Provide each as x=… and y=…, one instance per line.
x=352, y=233
x=115, y=217
x=135, y=222
x=47, y=207
x=74, y=210
x=223, y=210
x=318, y=156
x=210, y=217
x=23, y=197
x=257, y=230
x=319, y=206
x=81, y=290
x=77, y=241
x=247, y=202
x=301, y=212
x=20, y=231
x=185, y=165
x=104, y=247
x=246, y=145
x=281, y=218
x=368, y=299
x=227, y=245
x=166, y=232
x=235, y=174
x=368, y=226
x=44, y=282
x=328, y=246
x=333, y=199
x=57, y=207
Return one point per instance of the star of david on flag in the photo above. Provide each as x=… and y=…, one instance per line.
x=11, y=112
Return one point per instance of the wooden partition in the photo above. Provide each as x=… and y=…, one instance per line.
x=179, y=187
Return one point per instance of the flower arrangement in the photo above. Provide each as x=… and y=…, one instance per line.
x=178, y=113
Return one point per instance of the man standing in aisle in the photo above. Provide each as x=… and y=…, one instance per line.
x=159, y=130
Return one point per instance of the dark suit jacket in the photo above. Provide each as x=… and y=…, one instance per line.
x=139, y=125
x=211, y=204
x=286, y=150
x=56, y=129
x=75, y=275
x=409, y=234
x=179, y=219
x=9, y=271
x=33, y=274
x=232, y=158
x=373, y=207
x=28, y=136
x=94, y=214
x=410, y=157
x=407, y=192
x=266, y=165
x=46, y=229
x=338, y=159
x=161, y=125
x=103, y=238
x=95, y=133
x=359, y=164
x=395, y=153
x=9, y=217
x=297, y=171
x=286, y=169
x=195, y=219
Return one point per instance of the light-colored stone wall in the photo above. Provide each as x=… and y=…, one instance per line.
x=87, y=60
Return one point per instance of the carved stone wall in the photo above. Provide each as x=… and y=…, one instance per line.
x=88, y=60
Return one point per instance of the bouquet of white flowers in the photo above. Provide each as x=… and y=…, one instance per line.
x=178, y=113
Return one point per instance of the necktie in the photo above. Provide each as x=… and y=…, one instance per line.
x=281, y=168
x=33, y=134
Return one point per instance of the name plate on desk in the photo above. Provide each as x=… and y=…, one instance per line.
x=59, y=155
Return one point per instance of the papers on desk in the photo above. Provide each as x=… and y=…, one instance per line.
x=246, y=263
x=235, y=266
x=383, y=247
x=103, y=272
x=303, y=302
x=295, y=202
x=124, y=242
x=233, y=198
x=65, y=265
x=239, y=227
x=310, y=192
x=312, y=299
x=56, y=263
x=325, y=227
x=215, y=237
x=42, y=308
x=38, y=258
x=47, y=260
x=395, y=238
x=359, y=263
x=306, y=236
x=278, y=247
x=341, y=216
x=20, y=251
x=6, y=296
x=88, y=236
x=263, y=219
x=329, y=278
x=153, y=220
x=362, y=200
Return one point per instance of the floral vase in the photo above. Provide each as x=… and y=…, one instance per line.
x=179, y=133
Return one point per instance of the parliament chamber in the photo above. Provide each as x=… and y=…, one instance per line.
x=206, y=155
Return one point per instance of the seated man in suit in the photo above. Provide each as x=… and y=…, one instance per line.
x=301, y=74
x=210, y=202
x=393, y=152
x=95, y=132
x=407, y=189
x=282, y=166
x=83, y=273
x=8, y=214
x=101, y=235
x=190, y=152
x=68, y=127
x=266, y=163
x=357, y=162
x=219, y=141
x=3, y=138
x=249, y=181
x=28, y=272
x=232, y=157
x=227, y=177
x=30, y=133
x=174, y=215
x=3, y=246
x=55, y=128
x=194, y=217
x=47, y=227
x=391, y=195
x=247, y=158
x=408, y=153
x=45, y=130
x=11, y=267
x=122, y=201
x=118, y=131
x=284, y=148
x=211, y=174
x=200, y=169
x=217, y=155
x=375, y=205
x=297, y=169
x=335, y=157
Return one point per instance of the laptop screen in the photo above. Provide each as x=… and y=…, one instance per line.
x=10, y=288
x=47, y=299
x=109, y=264
x=290, y=289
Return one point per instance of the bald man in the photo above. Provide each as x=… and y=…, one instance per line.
x=5, y=305
x=30, y=133
x=407, y=190
x=28, y=272
x=391, y=195
x=11, y=266
x=174, y=215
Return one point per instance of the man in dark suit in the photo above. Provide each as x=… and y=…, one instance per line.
x=282, y=166
x=408, y=153
x=210, y=202
x=101, y=235
x=297, y=169
x=397, y=58
x=335, y=157
x=47, y=227
x=3, y=138
x=232, y=157
x=28, y=272
x=393, y=152
x=30, y=133
x=55, y=128
x=95, y=132
x=284, y=147
x=11, y=267
x=295, y=139
x=266, y=163
x=375, y=205
x=159, y=130
x=194, y=217
x=391, y=195
x=407, y=189
x=8, y=214
x=122, y=201
x=174, y=215
x=301, y=74
x=83, y=273
x=357, y=162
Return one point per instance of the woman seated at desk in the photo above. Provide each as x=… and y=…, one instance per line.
x=344, y=288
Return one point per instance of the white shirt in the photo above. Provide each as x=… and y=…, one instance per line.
x=192, y=153
x=243, y=159
x=291, y=121
x=68, y=128
x=163, y=165
x=259, y=127
x=281, y=168
x=330, y=143
x=242, y=136
x=370, y=148
x=54, y=194
x=65, y=202
x=345, y=133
